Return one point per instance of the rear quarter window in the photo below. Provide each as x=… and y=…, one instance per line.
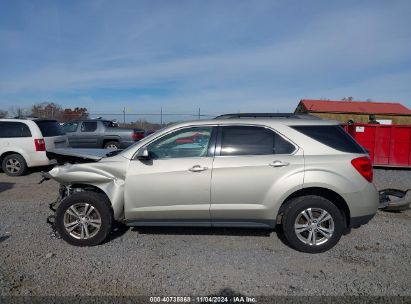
x=333, y=136
x=250, y=140
x=9, y=129
x=50, y=128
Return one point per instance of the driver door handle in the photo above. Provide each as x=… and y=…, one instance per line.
x=197, y=168
x=279, y=163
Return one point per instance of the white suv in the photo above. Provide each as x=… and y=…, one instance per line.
x=23, y=143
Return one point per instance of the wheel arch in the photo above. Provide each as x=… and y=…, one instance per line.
x=88, y=187
x=23, y=155
x=5, y=154
x=326, y=193
x=116, y=208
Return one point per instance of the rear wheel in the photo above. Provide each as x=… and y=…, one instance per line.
x=84, y=219
x=312, y=224
x=112, y=145
x=14, y=165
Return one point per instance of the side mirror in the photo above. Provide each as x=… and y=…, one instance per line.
x=143, y=154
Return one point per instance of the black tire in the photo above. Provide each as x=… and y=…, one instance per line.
x=293, y=212
x=111, y=145
x=104, y=211
x=14, y=165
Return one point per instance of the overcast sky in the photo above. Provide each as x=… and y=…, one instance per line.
x=222, y=56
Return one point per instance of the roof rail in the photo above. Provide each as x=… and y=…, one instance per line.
x=267, y=115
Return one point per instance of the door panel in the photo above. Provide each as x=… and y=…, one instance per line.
x=249, y=172
x=244, y=187
x=174, y=183
x=71, y=131
x=87, y=134
x=167, y=189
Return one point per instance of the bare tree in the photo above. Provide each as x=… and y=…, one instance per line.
x=47, y=110
x=3, y=114
x=17, y=111
x=52, y=110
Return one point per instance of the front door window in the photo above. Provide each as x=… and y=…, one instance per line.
x=190, y=142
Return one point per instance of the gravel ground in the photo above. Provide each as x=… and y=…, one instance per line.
x=372, y=260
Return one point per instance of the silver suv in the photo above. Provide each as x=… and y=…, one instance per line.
x=306, y=176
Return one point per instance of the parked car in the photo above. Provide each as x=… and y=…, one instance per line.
x=307, y=176
x=23, y=143
x=99, y=133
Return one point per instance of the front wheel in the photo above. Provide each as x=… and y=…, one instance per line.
x=14, y=165
x=84, y=219
x=312, y=224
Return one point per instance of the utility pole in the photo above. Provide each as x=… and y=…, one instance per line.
x=161, y=115
x=199, y=113
x=124, y=115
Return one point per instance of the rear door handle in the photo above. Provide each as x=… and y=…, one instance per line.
x=279, y=163
x=197, y=168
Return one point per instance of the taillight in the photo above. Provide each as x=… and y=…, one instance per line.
x=364, y=167
x=137, y=135
x=40, y=144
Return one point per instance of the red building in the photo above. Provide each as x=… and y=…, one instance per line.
x=357, y=111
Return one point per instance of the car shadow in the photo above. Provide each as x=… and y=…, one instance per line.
x=40, y=169
x=203, y=231
x=118, y=230
x=6, y=186
x=214, y=231
x=280, y=234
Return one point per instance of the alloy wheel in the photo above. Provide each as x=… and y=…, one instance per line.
x=314, y=226
x=82, y=221
x=13, y=165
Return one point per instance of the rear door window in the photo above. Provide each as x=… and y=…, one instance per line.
x=71, y=127
x=245, y=140
x=89, y=126
x=333, y=136
x=9, y=129
x=50, y=128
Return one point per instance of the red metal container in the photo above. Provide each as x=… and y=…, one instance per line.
x=388, y=145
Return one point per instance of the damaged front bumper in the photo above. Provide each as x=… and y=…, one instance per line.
x=89, y=171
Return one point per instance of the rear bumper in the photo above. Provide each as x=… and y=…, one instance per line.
x=37, y=159
x=362, y=203
x=358, y=221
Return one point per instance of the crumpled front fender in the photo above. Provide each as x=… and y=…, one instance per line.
x=107, y=175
